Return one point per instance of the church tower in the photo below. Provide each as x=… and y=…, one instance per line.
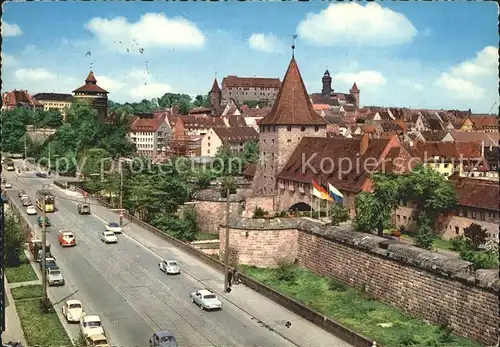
x=354, y=91
x=215, y=96
x=291, y=118
x=327, y=84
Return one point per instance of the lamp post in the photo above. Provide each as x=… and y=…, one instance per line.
x=44, y=253
x=226, y=246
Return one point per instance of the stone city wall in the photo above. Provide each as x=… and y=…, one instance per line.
x=211, y=210
x=430, y=285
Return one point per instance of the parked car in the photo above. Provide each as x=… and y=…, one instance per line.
x=72, y=311
x=83, y=208
x=170, y=267
x=41, y=174
x=114, y=227
x=108, y=237
x=47, y=221
x=31, y=210
x=163, y=338
x=97, y=341
x=26, y=202
x=206, y=300
x=55, y=277
x=66, y=238
x=8, y=185
x=20, y=193
x=91, y=325
x=50, y=263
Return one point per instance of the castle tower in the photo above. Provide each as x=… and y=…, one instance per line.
x=354, y=91
x=327, y=84
x=93, y=94
x=291, y=118
x=215, y=96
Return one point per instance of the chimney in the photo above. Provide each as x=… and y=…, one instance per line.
x=363, y=145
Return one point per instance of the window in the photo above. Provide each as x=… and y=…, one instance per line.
x=302, y=128
x=272, y=140
x=289, y=141
x=209, y=138
x=474, y=214
x=482, y=215
x=316, y=129
x=489, y=214
x=209, y=144
x=398, y=217
x=404, y=218
x=289, y=128
x=457, y=230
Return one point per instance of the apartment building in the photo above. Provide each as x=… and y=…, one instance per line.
x=55, y=102
x=249, y=89
x=233, y=138
x=150, y=134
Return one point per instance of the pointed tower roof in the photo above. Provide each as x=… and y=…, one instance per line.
x=354, y=88
x=215, y=86
x=91, y=78
x=292, y=105
x=327, y=73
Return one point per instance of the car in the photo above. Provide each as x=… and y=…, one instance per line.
x=97, y=341
x=72, y=311
x=20, y=193
x=41, y=174
x=31, y=210
x=206, y=299
x=66, y=238
x=91, y=325
x=55, y=277
x=114, y=227
x=47, y=221
x=24, y=196
x=8, y=185
x=50, y=263
x=170, y=267
x=163, y=338
x=108, y=237
x=26, y=202
x=83, y=208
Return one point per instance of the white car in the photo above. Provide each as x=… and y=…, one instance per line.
x=114, y=227
x=170, y=267
x=31, y=210
x=8, y=185
x=72, y=311
x=91, y=325
x=108, y=237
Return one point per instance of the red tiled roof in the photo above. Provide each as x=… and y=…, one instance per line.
x=249, y=170
x=342, y=152
x=489, y=139
x=215, y=86
x=200, y=110
x=238, y=134
x=448, y=150
x=236, y=121
x=292, y=106
x=20, y=98
x=232, y=81
x=354, y=88
x=478, y=193
x=146, y=123
x=196, y=122
x=90, y=86
x=484, y=122
x=256, y=112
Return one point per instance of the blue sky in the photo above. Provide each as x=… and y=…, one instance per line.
x=420, y=55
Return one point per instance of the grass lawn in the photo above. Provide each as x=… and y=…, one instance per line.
x=27, y=292
x=22, y=273
x=41, y=329
x=354, y=310
x=206, y=236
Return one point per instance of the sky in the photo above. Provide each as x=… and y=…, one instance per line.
x=440, y=55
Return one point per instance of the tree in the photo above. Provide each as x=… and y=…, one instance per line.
x=14, y=241
x=228, y=183
x=476, y=235
x=373, y=210
x=202, y=101
x=251, y=152
x=226, y=163
x=13, y=130
x=338, y=214
x=425, y=237
x=184, y=229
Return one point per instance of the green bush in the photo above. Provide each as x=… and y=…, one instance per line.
x=286, y=272
x=457, y=243
x=258, y=212
x=337, y=286
x=480, y=259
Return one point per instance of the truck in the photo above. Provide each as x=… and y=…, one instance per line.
x=35, y=248
x=9, y=163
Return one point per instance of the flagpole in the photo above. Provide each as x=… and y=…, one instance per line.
x=319, y=208
x=312, y=202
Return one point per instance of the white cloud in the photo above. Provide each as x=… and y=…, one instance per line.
x=109, y=83
x=34, y=75
x=463, y=88
x=11, y=30
x=152, y=30
x=365, y=78
x=485, y=63
x=150, y=90
x=8, y=60
x=268, y=43
x=352, y=23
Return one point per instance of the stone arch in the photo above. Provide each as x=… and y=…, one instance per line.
x=300, y=206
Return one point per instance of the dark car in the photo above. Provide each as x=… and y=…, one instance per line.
x=50, y=263
x=47, y=221
x=20, y=193
x=41, y=174
x=163, y=338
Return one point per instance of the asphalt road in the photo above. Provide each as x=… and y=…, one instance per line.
x=122, y=284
